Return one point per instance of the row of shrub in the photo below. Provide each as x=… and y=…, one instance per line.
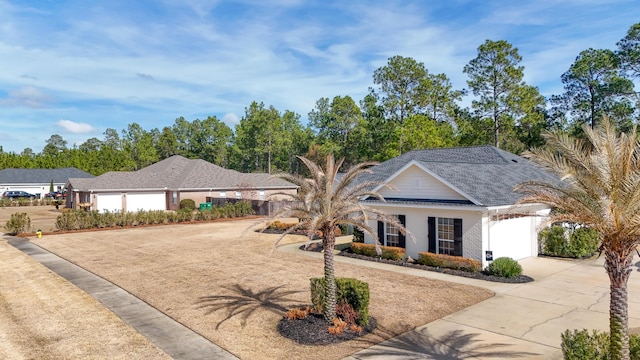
x=568, y=242
x=4, y=202
x=279, y=225
x=80, y=219
x=228, y=210
x=386, y=252
x=503, y=267
x=582, y=344
x=449, y=261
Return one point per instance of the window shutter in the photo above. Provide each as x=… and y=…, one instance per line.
x=381, y=232
x=432, y=234
x=402, y=238
x=457, y=237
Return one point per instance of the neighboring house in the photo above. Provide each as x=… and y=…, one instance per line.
x=38, y=181
x=162, y=185
x=459, y=201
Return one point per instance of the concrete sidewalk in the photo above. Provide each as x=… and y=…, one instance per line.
x=169, y=335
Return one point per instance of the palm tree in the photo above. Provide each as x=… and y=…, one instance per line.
x=327, y=201
x=600, y=189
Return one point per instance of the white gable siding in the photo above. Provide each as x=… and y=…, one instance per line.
x=415, y=183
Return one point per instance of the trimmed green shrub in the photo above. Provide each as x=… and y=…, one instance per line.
x=358, y=235
x=187, y=204
x=449, y=261
x=18, y=223
x=185, y=215
x=559, y=241
x=388, y=252
x=351, y=291
x=553, y=240
x=238, y=209
x=583, y=242
x=581, y=344
x=504, y=267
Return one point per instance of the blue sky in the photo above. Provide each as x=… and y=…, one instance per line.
x=76, y=68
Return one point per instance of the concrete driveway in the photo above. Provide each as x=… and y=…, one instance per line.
x=522, y=320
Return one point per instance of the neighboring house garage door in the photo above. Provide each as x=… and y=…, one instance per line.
x=109, y=202
x=515, y=238
x=146, y=201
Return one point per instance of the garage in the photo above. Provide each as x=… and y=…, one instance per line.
x=515, y=237
x=109, y=202
x=146, y=201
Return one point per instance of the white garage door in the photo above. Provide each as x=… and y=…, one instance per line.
x=109, y=202
x=146, y=201
x=515, y=238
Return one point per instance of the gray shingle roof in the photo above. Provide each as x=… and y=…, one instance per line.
x=40, y=176
x=484, y=173
x=180, y=173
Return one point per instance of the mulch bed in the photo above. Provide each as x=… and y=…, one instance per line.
x=313, y=330
x=474, y=275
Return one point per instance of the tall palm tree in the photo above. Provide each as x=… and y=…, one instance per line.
x=327, y=201
x=600, y=189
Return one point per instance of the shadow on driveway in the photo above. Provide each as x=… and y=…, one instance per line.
x=419, y=344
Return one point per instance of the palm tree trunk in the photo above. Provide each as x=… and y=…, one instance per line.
x=328, y=245
x=618, y=266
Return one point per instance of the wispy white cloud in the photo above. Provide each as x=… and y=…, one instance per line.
x=231, y=119
x=75, y=127
x=152, y=62
x=27, y=96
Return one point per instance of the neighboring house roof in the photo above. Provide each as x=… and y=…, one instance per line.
x=40, y=176
x=484, y=174
x=180, y=173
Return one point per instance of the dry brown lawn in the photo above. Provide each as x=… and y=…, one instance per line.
x=43, y=316
x=176, y=268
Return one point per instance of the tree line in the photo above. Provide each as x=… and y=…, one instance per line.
x=407, y=108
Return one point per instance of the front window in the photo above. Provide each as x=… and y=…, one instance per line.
x=445, y=236
x=392, y=235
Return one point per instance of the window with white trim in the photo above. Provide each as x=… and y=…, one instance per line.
x=392, y=235
x=445, y=236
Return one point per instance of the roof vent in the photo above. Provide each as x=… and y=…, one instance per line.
x=514, y=160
